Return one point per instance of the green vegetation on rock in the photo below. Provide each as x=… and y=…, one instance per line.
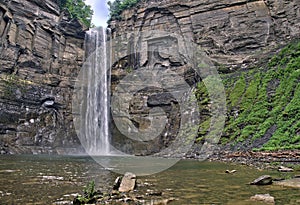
x=118, y=6
x=78, y=9
x=262, y=103
x=11, y=84
x=89, y=195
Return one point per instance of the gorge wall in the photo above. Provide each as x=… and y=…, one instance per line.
x=236, y=35
x=233, y=33
x=41, y=53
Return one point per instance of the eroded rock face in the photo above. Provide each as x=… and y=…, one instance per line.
x=41, y=53
x=234, y=34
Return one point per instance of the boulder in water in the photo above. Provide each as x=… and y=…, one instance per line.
x=128, y=182
x=230, y=171
x=262, y=180
x=285, y=169
x=263, y=197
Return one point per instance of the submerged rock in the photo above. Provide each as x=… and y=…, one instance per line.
x=263, y=197
x=162, y=201
x=262, y=180
x=154, y=193
x=294, y=183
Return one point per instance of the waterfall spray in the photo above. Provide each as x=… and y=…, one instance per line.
x=97, y=77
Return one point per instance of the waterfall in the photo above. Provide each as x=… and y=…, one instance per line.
x=97, y=76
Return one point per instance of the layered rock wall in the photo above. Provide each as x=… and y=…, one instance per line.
x=234, y=34
x=41, y=53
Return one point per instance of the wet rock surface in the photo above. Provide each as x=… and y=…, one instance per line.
x=293, y=183
x=262, y=180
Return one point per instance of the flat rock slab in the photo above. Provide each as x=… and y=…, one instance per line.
x=294, y=183
x=285, y=169
x=262, y=180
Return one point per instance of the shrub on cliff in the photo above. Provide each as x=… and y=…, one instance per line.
x=78, y=9
x=264, y=103
x=118, y=6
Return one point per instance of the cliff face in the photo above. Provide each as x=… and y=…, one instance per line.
x=41, y=53
x=235, y=34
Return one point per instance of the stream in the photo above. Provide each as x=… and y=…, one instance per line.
x=44, y=179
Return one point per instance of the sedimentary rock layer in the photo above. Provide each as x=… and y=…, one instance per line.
x=41, y=53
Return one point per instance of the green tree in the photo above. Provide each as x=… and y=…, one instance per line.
x=78, y=9
x=118, y=6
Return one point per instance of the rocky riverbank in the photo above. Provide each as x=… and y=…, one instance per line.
x=259, y=159
x=130, y=189
x=127, y=189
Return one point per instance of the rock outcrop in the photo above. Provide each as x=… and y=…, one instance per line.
x=234, y=34
x=41, y=53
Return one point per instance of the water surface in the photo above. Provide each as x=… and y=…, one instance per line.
x=33, y=179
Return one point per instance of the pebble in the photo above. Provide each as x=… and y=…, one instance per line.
x=285, y=169
x=230, y=171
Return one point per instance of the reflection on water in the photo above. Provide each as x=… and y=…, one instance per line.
x=141, y=166
x=49, y=179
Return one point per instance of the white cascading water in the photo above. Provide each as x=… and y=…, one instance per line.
x=98, y=92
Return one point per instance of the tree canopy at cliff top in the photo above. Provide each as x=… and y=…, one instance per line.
x=118, y=6
x=78, y=9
